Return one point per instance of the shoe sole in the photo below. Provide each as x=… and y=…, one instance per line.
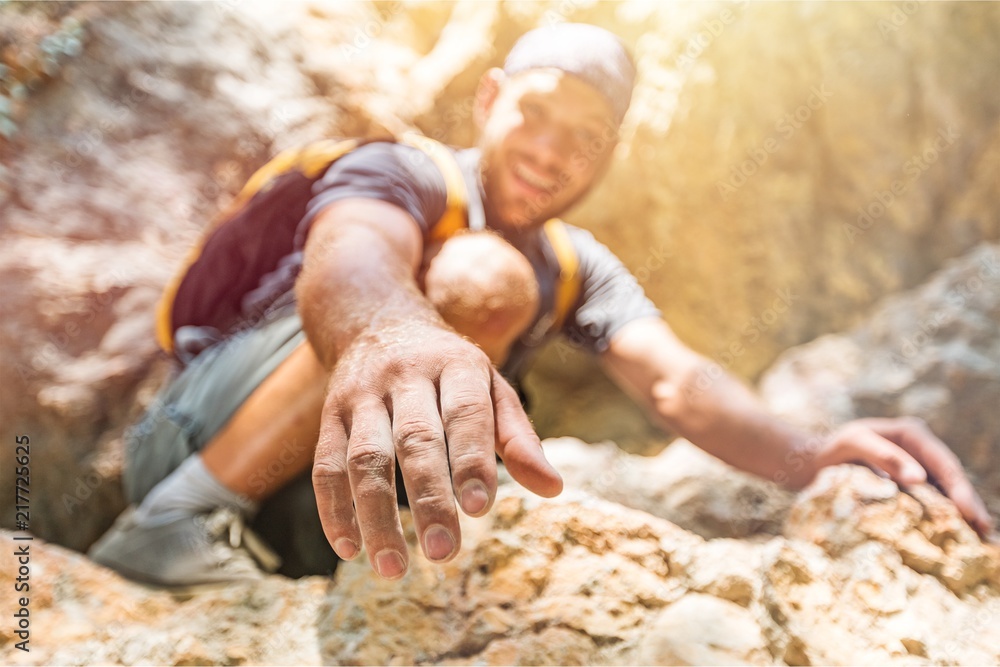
x=183, y=593
x=183, y=590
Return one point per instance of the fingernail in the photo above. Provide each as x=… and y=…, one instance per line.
x=438, y=542
x=914, y=474
x=389, y=564
x=345, y=548
x=474, y=497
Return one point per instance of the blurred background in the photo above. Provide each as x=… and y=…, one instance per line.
x=784, y=167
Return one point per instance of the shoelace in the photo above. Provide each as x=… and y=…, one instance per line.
x=227, y=519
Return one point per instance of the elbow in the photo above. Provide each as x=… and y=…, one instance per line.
x=680, y=399
x=668, y=399
x=310, y=283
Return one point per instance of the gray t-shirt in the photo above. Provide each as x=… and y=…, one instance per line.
x=610, y=297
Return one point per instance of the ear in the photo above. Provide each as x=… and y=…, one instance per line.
x=486, y=94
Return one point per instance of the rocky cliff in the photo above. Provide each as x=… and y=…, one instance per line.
x=574, y=581
x=783, y=168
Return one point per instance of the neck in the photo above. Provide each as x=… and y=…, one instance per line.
x=515, y=234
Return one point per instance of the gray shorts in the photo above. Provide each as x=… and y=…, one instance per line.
x=193, y=408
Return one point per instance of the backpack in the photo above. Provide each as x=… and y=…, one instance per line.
x=248, y=239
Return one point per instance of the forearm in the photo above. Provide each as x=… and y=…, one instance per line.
x=722, y=416
x=697, y=399
x=358, y=276
x=689, y=395
x=406, y=394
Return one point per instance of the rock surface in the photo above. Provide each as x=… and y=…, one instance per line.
x=128, y=149
x=136, y=122
x=573, y=581
x=129, y=138
x=933, y=352
x=682, y=484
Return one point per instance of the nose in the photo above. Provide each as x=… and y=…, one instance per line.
x=551, y=147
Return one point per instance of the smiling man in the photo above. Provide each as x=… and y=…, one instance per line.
x=383, y=364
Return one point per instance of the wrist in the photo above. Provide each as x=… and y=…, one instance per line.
x=801, y=461
x=395, y=319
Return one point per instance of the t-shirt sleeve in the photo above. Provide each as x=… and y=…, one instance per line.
x=394, y=173
x=610, y=296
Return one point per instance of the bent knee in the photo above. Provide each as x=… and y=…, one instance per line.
x=482, y=286
x=478, y=273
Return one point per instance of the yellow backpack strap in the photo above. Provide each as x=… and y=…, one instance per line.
x=455, y=217
x=309, y=160
x=568, y=285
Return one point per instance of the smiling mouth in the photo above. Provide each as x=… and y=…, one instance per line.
x=532, y=179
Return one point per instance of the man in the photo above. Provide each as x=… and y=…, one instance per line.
x=381, y=367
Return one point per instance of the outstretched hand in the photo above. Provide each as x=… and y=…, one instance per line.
x=432, y=400
x=909, y=453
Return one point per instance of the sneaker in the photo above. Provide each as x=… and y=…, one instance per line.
x=213, y=548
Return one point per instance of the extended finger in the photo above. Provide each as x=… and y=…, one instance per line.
x=371, y=467
x=423, y=460
x=333, y=487
x=467, y=415
x=518, y=444
x=970, y=505
x=941, y=464
x=864, y=445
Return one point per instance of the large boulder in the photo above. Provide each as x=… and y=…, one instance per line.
x=125, y=146
x=571, y=581
x=682, y=484
x=932, y=352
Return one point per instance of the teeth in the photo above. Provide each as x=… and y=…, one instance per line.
x=532, y=179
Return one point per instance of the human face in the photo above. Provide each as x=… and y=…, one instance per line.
x=547, y=137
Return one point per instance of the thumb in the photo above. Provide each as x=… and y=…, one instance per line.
x=518, y=444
